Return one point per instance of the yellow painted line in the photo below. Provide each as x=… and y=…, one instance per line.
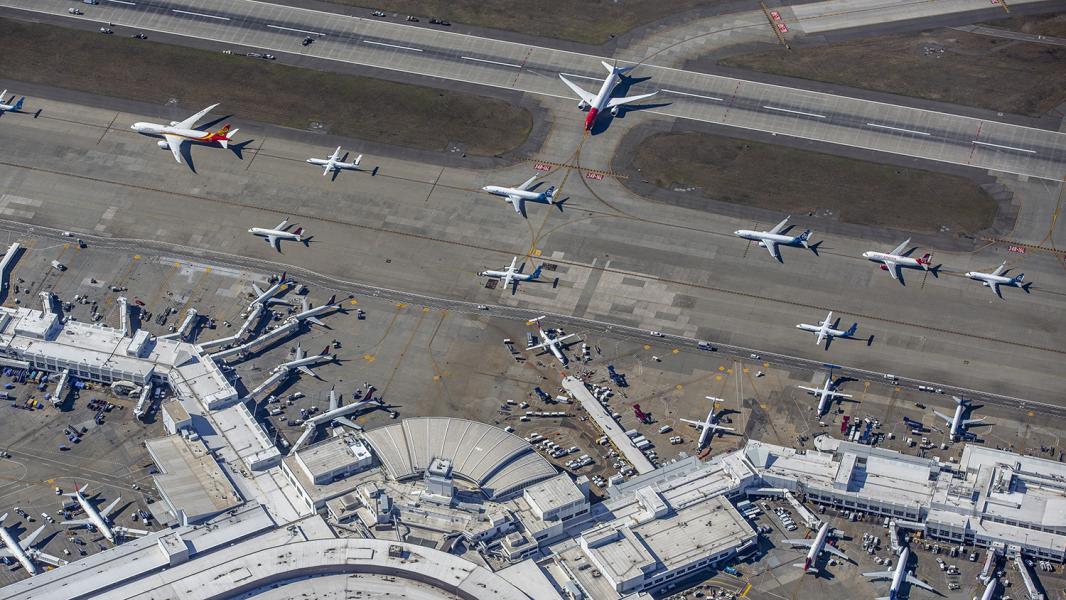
x=536, y=252
x=747, y=370
x=369, y=357
x=401, y=305
x=353, y=301
x=425, y=309
x=647, y=346
x=717, y=377
x=675, y=351
x=721, y=368
x=745, y=592
x=679, y=387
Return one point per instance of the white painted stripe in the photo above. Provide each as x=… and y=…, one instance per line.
x=296, y=30
x=1004, y=147
x=897, y=129
x=581, y=76
x=795, y=112
x=693, y=95
x=196, y=14
x=393, y=46
x=495, y=62
x=123, y=2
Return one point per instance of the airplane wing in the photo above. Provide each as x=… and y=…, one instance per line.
x=620, y=101
x=528, y=182
x=699, y=424
x=838, y=394
x=911, y=579
x=304, y=369
x=777, y=228
x=946, y=418
x=834, y=551
x=587, y=97
x=999, y=270
x=336, y=153
x=517, y=202
x=188, y=123
x=334, y=403
x=720, y=428
x=5, y=553
x=994, y=287
x=326, y=168
x=880, y=574
x=110, y=507
x=559, y=340
x=348, y=423
x=309, y=432
x=28, y=541
x=281, y=226
x=274, y=241
x=901, y=247
x=892, y=268
x=771, y=247
x=804, y=543
x=810, y=389
x=968, y=422
x=821, y=337
x=174, y=143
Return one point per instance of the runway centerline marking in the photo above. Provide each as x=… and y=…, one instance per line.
x=795, y=112
x=393, y=46
x=296, y=30
x=693, y=95
x=123, y=2
x=581, y=76
x=1004, y=147
x=897, y=129
x=494, y=62
x=196, y=14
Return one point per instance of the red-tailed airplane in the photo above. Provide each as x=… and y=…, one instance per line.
x=597, y=103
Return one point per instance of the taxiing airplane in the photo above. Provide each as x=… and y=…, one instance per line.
x=773, y=238
x=302, y=360
x=337, y=415
x=893, y=261
x=956, y=422
x=10, y=105
x=99, y=519
x=23, y=550
x=517, y=196
x=275, y=235
x=997, y=278
x=602, y=100
x=553, y=344
x=817, y=545
x=511, y=275
x=825, y=394
x=825, y=332
x=334, y=162
x=898, y=577
x=708, y=426
x=179, y=132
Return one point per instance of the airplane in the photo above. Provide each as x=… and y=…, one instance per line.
x=553, y=344
x=825, y=331
x=956, y=422
x=275, y=235
x=336, y=414
x=997, y=278
x=311, y=314
x=893, y=261
x=990, y=589
x=334, y=164
x=825, y=394
x=301, y=361
x=23, y=550
x=179, y=132
x=510, y=276
x=267, y=297
x=99, y=519
x=517, y=196
x=14, y=106
x=597, y=103
x=773, y=238
x=898, y=576
x=817, y=546
x=708, y=426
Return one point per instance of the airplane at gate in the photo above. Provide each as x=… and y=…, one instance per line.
x=773, y=238
x=898, y=577
x=816, y=546
x=178, y=132
x=100, y=520
x=24, y=551
x=956, y=422
x=552, y=344
x=893, y=261
x=825, y=394
x=708, y=426
x=602, y=100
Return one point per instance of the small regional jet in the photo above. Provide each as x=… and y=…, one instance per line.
x=334, y=163
x=518, y=195
x=552, y=344
x=825, y=394
x=825, y=332
x=597, y=103
x=771, y=239
x=997, y=278
x=275, y=235
x=709, y=426
x=10, y=105
x=894, y=261
x=179, y=132
x=511, y=275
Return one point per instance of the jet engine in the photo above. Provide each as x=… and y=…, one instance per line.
x=614, y=111
x=162, y=144
x=583, y=105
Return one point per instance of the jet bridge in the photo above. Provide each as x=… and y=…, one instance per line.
x=64, y=377
x=285, y=329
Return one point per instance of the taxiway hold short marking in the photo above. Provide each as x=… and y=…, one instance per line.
x=196, y=14
x=693, y=95
x=493, y=62
x=1004, y=147
x=897, y=129
x=795, y=112
x=393, y=46
x=296, y=30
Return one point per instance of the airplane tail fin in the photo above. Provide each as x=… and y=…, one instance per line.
x=851, y=330
x=612, y=69
x=803, y=237
x=332, y=300
x=297, y=233
x=550, y=194
x=224, y=136
x=536, y=272
x=1019, y=278
x=18, y=105
x=924, y=261
x=358, y=159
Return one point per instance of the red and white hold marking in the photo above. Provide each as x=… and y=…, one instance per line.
x=592, y=175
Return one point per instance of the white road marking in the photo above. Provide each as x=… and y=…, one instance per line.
x=296, y=30
x=693, y=95
x=795, y=112
x=393, y=46
x=495, y=62
x=581, y=76
x=123, y=2
x=195, y=14
x=897, y=129
x=1004, y=147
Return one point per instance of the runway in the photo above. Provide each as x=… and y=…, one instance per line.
x=977, y=142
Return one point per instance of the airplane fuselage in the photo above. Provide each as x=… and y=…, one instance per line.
x=553, y=345
x=759, y=236
x=16, y=550
x=821, y=330
x=281, y=235
x=95, y=517
x=901, y=261
x=498, y=190
x=333, y=165
x=990, y=279
x=816, y=548
x=601, y=100
x=342, y=411
x=824, y=398
x=193, y=135
x=900, y=574
x=956, y=420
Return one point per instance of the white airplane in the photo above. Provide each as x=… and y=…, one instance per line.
x=311, y=314
x=23, y=550
x=10, y=105
x=275, y=235
x=517, y=196
x=553, y=344
x=893, y=261
x=990, y=589
x=597, y=103
x=334, y=163
x=99, y=519
x=301, y=361
x=817, y=546
x=179, y=132
x=898, y=576
x=336, y=414
x=708, y=426
x=266, y=297
x=511, y=275
x=825, y=332
x=997, y=278
x=825, y=394
x=773, y=238
x=956, y=422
